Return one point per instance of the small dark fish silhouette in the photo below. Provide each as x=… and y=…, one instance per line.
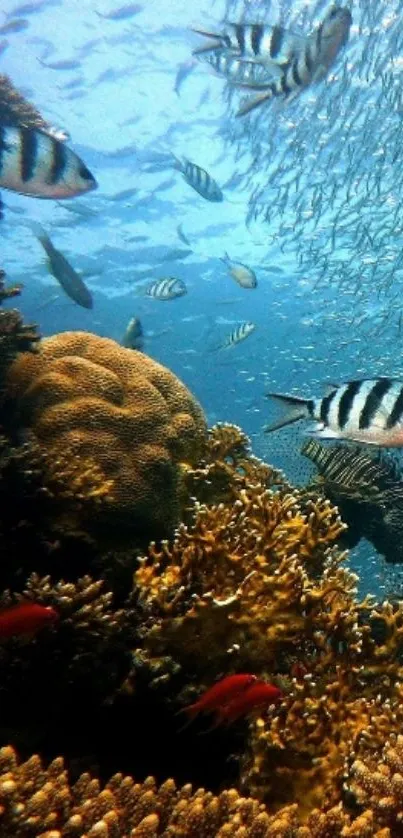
x=61, y=269
x=67, y=64
x=133, y=337
x=13, y=26
x=124, y=13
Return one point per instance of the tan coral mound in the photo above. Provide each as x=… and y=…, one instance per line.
x=39, y=803
x=90, y=397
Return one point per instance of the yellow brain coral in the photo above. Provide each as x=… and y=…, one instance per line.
x=90, y=397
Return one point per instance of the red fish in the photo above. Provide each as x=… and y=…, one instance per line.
x=256, y=695
x=222, y=693
x=25, y=618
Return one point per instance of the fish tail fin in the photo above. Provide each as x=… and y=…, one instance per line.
x=297, y=408
x=254, y=102
x=225, y=258
x=191, y=712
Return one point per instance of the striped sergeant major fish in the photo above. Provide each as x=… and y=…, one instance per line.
x=199, y=179
x=311, y=64
x=167, y=289
x=240, y=333
x=36, y=164
x=369, y=411
x=239, y=72
x=256, y=42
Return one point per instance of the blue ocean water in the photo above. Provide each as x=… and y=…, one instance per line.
x=311, y=201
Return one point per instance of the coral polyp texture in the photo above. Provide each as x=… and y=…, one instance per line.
x=40, y=803
x=118, y=408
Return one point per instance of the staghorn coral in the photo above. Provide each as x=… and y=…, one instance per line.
x=133, y=417
x=40, y=803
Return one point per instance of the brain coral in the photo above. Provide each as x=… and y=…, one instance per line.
x=90, y=397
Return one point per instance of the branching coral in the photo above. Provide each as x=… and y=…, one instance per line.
x=135, y=419
x=376, y=781
x=39, y=803
x=227, y=466
x=244, y=578
x=255, y=585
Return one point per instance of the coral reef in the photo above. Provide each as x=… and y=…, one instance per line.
x=132, y=417
x=377, y=783
x=15, y=336
x=368, y=490
x=15, y=110
x=40, y=803
x=253, y=580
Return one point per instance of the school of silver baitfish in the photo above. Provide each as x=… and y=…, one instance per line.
x=290, y=117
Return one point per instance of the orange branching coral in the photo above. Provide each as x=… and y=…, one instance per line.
x=376, y=780
x=258, y=586
x=131, y=416
x=249, y=579
x=40, y=803
x=227, y=466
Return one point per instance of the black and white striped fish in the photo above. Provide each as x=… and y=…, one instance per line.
x=368, y=411
x=311, y=64
x=41, y=166
x=254, y=42
x=241, y=332
x=239, y=72
x=199, y=179
x=167, y=289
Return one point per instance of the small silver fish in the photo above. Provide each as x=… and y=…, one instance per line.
x=311, y=64
x=133, y=337
x=240, y=333
x=61, y=269
x=242, y=274
x=167, y=289
x=184, y=71
x=182, y=235
x=124, y=13
x=199, y=179
x=36, y=164
x=368, y=411
x=14, y=26
x=176, y=253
